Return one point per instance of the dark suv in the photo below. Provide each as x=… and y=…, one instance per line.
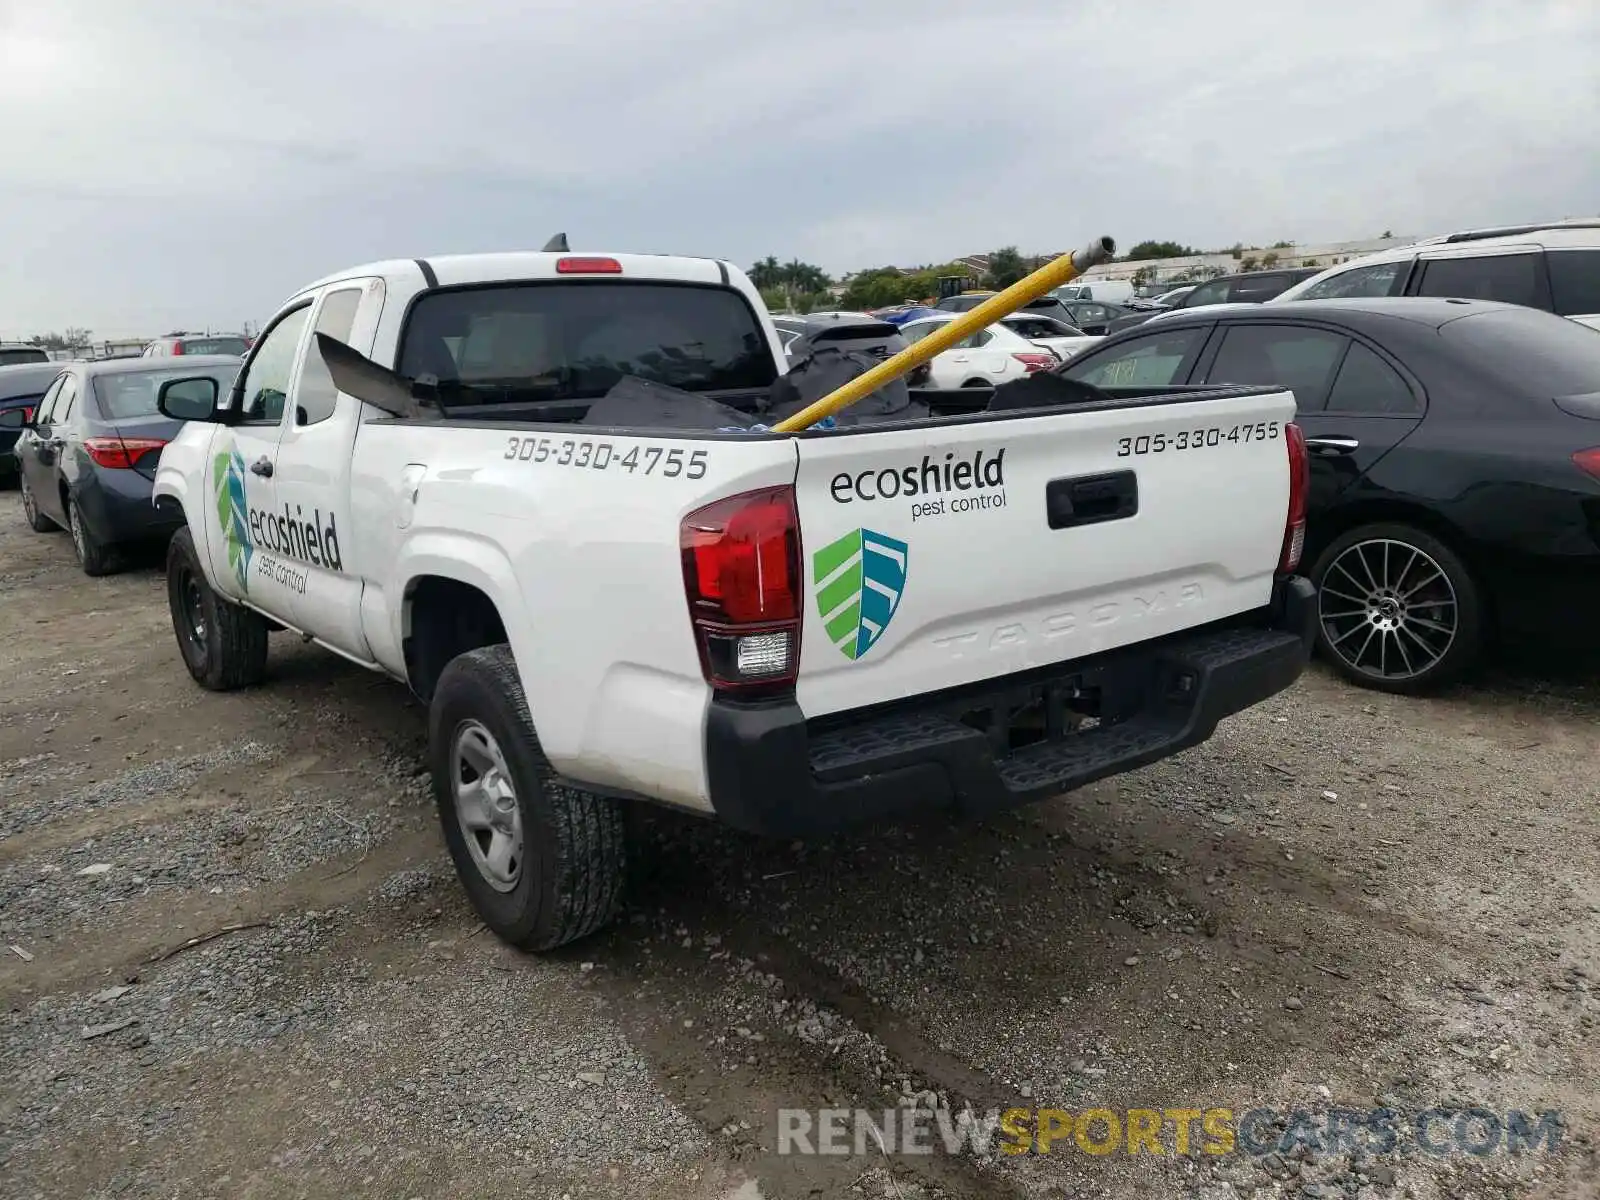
x=1250, y=287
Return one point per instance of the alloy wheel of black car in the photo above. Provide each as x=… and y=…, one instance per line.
x=1397, y=610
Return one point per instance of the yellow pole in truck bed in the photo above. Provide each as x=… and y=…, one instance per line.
x=1003, y=304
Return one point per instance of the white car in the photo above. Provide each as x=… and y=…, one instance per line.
x=1555, y=267
x=511, y=482
x=987, y=359
x=1061, y=339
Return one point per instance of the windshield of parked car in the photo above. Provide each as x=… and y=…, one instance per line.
x=129, y=394
x=538, y=341
x=1532, y=352
x=11, y=356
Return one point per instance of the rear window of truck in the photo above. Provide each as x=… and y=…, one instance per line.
x=538, y=341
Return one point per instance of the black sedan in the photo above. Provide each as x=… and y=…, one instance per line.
x=88, y=454
x=1455, y=466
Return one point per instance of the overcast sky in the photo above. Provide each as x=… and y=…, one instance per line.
x=191, y=162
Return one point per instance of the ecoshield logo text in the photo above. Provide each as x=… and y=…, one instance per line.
x=248, y=532
x=935, y=486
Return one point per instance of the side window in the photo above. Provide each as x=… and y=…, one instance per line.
x=316, y=397
x=1575, y=281
x=980, y=339
x=1512, y=278
x=1150, y=361
x=265, y=381
x=1380, y=279
x=1289, y=356
x=1210, y=293
x=66, y=400
x=1256, y=287
x=1369, y=386
x=43, y=414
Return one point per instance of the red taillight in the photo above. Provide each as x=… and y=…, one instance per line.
x=588, y=266
x=741, y=572
x=1294, y=526
x=177, y=347
x=1035, y=362
x=1588, y=461
x=27, y=415
x=120, y=453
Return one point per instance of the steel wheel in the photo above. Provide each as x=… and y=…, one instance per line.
x=192, y=606
x=486, y=805
x=1388, y=609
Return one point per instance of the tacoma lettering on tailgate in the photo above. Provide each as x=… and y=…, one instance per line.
x=1065, y=623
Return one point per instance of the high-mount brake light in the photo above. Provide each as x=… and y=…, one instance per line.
x=120, y=453
x=588, y=266
x=1294, y=526
x=741, y=574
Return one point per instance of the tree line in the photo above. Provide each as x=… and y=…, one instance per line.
x=71, y=339
x=796, y=286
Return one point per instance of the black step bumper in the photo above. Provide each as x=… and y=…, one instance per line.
x=771, y=771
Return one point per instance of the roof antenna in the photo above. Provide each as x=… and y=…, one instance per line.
x=557, y=245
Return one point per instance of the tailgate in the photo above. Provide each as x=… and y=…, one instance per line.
x=948, y=554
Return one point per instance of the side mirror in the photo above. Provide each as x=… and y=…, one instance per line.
x=188, y=399
x=13, y=418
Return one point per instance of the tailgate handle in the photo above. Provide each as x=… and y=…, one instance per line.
x=1090, y=499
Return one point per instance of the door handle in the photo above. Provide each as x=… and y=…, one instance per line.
x=1332, y=445
x=1091, y=499
x=262, y=466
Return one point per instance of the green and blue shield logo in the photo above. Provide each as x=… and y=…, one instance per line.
x=227, y=471
x=859, y=580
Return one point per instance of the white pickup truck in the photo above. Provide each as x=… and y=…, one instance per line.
x=788, y=633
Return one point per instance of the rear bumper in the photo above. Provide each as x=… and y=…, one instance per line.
x=773, y=772
x=117, y=505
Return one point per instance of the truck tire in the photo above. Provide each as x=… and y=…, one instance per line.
x=37, y=521
x=543, y=862
x=94, y=556
x=223, y=645
x=1397, y=609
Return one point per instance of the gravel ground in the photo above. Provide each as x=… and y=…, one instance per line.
x=246, y=968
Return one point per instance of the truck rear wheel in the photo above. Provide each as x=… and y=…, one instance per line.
x=542, y=861
x=224, y=646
